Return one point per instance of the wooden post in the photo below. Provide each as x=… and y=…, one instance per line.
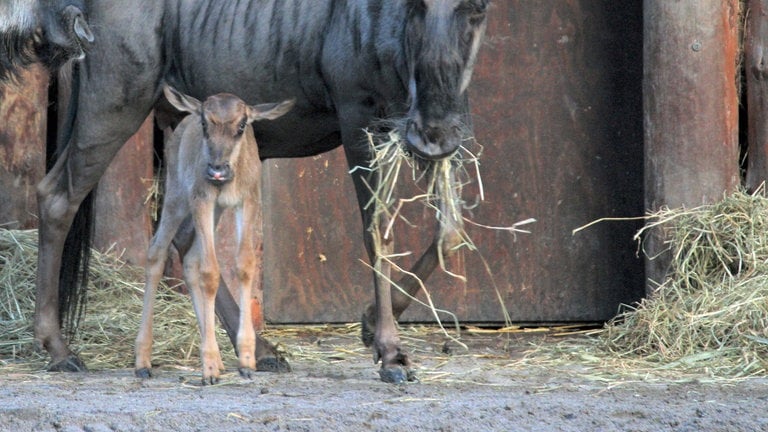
x=123, y=221
x=756, y=68
x=23, y=117
x=691, y=107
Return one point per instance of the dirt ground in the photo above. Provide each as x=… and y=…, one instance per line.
x=495, y=385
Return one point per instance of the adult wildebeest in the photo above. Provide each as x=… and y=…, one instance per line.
x=213, y=163
x=347, y=63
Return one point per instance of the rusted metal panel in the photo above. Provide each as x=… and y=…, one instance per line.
x=690, y=106
x=123, y=224
x=557, y=106
x=756, y=71
x=23, y=117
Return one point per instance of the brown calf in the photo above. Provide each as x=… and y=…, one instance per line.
x=211, y=158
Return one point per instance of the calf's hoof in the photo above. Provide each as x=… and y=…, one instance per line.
x=143, y=373
x=210, y=380
x=246, y=373
x=71, y=363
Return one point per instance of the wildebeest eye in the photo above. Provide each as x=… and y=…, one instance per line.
x=474, y=10
x=241, y=127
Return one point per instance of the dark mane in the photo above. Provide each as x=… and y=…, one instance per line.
x=17, y=50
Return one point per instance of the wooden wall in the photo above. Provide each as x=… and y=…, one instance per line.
x=23, y=120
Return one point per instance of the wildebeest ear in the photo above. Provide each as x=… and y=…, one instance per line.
x=181, y=101
x=269, y=111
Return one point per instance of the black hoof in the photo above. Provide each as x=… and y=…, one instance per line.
x=396, y=375
x=143, y=373
x=246, y=372
x=367, y=329
x=273, y=364
x=69, y=364
x=211, y=381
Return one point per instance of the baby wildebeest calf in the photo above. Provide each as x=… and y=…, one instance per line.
x=212, y=164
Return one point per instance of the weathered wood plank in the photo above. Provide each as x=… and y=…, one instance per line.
x=23, y=119
x=690, y=106
x=756, y=70
x=123, y=222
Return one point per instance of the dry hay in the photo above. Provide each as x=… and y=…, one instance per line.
x=107, y=332
x=710, y=315
x=442, y=193
x=441, y=184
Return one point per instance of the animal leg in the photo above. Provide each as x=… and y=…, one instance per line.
x=210, y=358
x=395, y=364
x=173, y=214
x=74, y=175
x=246, y=270
x=203, y=211
x=447, y=238
x=268, y=359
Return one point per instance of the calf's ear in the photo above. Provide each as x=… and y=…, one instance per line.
x=269, y=111
x=181, y=101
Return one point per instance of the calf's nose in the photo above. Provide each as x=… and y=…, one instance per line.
x=219, y=173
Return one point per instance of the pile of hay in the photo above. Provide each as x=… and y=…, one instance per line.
x=711, y=313
x=107, y=331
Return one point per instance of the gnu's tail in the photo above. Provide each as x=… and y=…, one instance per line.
x=75, y=260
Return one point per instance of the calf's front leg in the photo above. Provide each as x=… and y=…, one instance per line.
x=205, y=278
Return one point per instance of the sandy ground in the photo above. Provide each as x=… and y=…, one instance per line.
x=334, y=387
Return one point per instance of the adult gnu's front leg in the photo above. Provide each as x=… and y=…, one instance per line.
x=395, y=364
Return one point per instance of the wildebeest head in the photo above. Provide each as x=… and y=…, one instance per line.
x=50, y=31
x=224, y=121
x=442, y=40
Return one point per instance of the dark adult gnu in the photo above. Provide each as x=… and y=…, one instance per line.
x=347, y=63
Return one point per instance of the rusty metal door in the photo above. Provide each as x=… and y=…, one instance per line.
x=557, y=106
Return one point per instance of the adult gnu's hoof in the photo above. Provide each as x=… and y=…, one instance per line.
x=70, y=364
x=273, y=364
x=397, y=375
x=143, y=373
